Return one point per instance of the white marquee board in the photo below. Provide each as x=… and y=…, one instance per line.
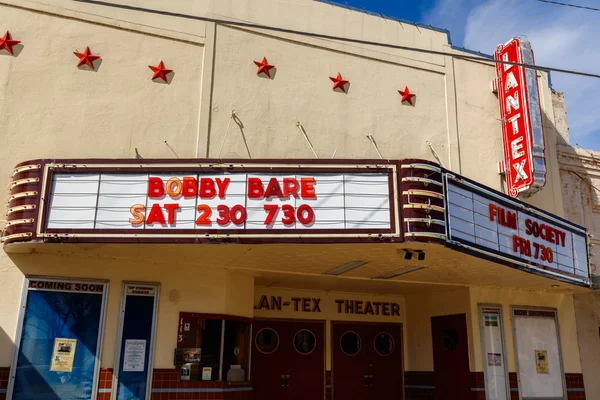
x=341, y=202
x=489, y=223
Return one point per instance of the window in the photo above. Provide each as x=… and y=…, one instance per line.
x=304, y=341
x=350, y=343
x=384, y=344
x=451, y=339
x=267, y=341
x=214, y=342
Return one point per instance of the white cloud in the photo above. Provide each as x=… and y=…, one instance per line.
x=561, y=37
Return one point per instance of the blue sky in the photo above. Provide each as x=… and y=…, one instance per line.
x=562, y=37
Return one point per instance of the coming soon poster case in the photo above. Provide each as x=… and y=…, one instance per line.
x=59, y=339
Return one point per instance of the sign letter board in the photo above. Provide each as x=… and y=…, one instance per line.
x=503, y=229
x=170, y=201
x=521, y=115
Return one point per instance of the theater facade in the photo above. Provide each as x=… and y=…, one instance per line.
x=265, y=214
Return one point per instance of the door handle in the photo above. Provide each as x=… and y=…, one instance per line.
x=287, y=377
x=282, y=380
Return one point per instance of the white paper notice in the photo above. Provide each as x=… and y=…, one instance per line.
x=135, y=355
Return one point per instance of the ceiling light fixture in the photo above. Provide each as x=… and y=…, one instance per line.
x=399, y=272
x=346, y=267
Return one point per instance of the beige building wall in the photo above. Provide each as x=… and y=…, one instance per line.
x=580, y=177
x=215, y=106
x=420, y=308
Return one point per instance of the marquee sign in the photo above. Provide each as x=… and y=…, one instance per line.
x=283, y=201
x=194, y=201
x=500, y=228
x=522, y=129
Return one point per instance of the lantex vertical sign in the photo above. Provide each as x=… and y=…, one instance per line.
x=522, y=130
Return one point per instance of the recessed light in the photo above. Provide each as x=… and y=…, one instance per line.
x=346, y=267
x=399, y=272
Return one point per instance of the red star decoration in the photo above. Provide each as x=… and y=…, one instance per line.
x=160, y=71
x=263, y=67
x=6, y=43
x=407, y=95
x=338, y=82
x=86, y=58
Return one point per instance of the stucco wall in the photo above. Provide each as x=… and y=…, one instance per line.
x=109, y=113
x=587, y=313
x=580, y=177
x=420, y=309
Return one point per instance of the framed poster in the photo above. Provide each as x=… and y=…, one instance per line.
x=63, y=355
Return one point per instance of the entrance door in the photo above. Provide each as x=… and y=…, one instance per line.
x=288, y=360
x=451, y=357
x=387, y=372
x=367, y=361
x=136, y=341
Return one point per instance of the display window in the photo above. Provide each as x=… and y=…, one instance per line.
x=538, y=353
x=214, y=347
x=491, y=325
x=304, y=342
x=267, y=341
x=57, y=348
x=383, y=344
x=350, y=343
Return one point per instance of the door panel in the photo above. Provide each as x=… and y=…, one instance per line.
x=386, y=362
x=268, y=359
x=303, y=369
x=350, y=361
x=137, y=331
x=451, y=357
x=381, y=365
x=307, y=362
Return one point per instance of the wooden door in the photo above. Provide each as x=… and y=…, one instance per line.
x=350, y=365
x=451, y=357
x=306, y=364
x=288, y=360
x=385, y=362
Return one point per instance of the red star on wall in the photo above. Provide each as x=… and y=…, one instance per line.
x=338, y=82
x=86, y=58
x=6, y=43
x=407, y=95
x=263, y=67
x=160, y=71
